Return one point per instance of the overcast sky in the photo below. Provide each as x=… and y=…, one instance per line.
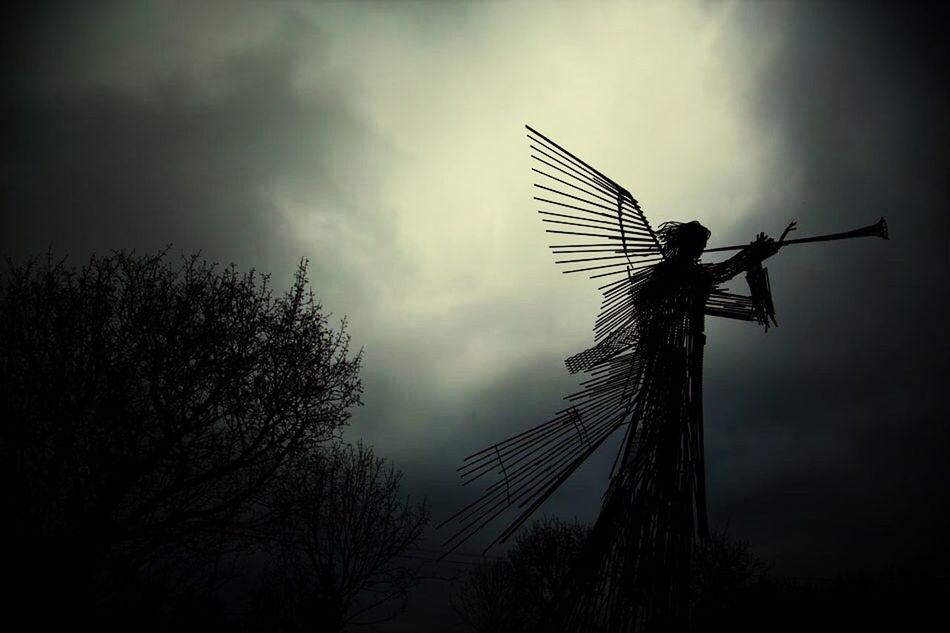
x=384, y=142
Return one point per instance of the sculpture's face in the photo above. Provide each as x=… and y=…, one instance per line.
x=693, y=238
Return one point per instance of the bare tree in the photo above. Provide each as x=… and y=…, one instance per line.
x=486, y=598
x=725, y=573
x=148, y=408
x=512, y=594
x=343, y=527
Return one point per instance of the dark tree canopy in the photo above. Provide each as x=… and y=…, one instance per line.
x=512, y=594
x=149, y=408
x=517, y=593
x=342, y=528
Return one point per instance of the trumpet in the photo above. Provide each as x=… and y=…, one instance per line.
x=878, y=229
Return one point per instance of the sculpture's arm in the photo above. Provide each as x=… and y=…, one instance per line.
x=758, y=305
x=755, y=253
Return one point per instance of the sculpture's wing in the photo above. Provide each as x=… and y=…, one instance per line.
x=598, y=227
x=524, y=470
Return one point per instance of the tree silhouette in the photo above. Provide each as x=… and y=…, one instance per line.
x=149, y=409
x=342, y=527
x=726, y=577
x=486, y=599
x=513, y=594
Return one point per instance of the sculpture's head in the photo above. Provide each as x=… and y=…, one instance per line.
x=683, y=239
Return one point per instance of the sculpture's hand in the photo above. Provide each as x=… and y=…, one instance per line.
x=788, y=229
x=764, y=247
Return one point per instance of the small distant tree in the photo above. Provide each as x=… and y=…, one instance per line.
x=514, y=593
x=149, y=407
x=486, y=600
x=342, y=527
x=725, y=572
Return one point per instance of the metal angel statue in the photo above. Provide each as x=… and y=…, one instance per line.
x=645, y=378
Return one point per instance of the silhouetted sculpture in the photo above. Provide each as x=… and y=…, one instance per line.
x=645, y=377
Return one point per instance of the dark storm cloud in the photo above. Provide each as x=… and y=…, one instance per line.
x=830, y=447
x=98, y=159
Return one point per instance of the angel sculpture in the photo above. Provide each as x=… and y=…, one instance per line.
x=645, y=377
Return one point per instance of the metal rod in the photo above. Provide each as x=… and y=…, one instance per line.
x=873, y=230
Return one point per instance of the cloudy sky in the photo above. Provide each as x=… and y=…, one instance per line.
x=384, y=142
